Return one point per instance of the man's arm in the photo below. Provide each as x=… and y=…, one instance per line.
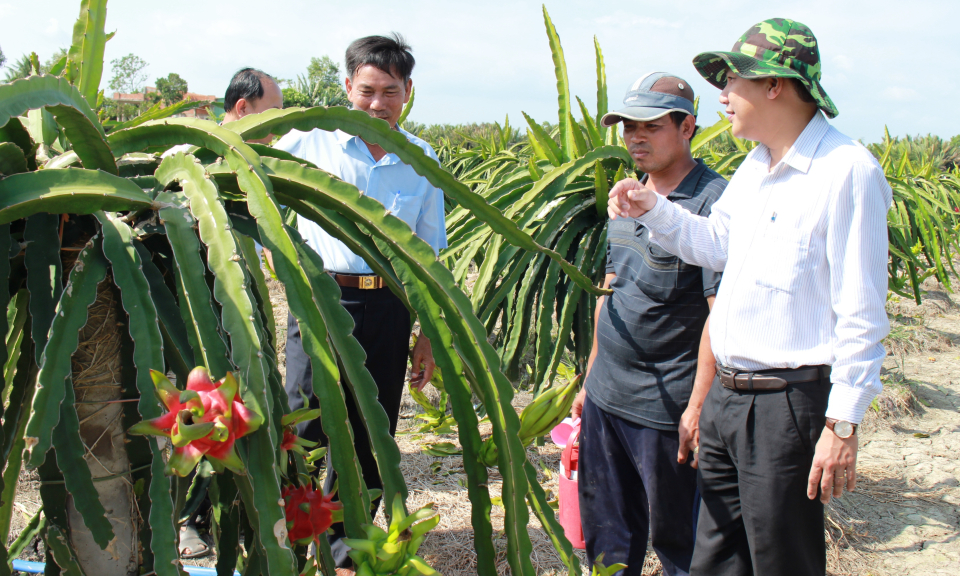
x=690, y=420
x=577, y=407
x=695, y=239
x=856, y=249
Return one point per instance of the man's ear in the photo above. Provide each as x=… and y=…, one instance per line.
x=347, y=84
x=241, y=108
x=775, y=87
x=409, y=88
x=688, y=127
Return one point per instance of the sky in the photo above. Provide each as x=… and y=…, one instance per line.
x=885, y=62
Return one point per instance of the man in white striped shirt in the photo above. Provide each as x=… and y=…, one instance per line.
x=801, y=237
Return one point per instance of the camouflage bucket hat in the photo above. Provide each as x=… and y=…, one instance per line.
x=774, y=47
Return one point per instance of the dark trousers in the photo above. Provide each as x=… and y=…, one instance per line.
x=382, y=326
x=756, y=449
x=630, y=486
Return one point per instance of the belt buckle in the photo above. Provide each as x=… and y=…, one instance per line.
x=368, y=282
x=728, y=376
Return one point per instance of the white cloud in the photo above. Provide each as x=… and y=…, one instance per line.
x=900, y=94
x=53, y=28
x=842, y=62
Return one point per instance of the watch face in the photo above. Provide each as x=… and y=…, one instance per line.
x=843, y=429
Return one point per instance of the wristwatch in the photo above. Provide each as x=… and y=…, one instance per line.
x=841, y=428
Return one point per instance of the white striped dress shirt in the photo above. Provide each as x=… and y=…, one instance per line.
x=803, y=249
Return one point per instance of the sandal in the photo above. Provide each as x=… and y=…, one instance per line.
x=192, y=544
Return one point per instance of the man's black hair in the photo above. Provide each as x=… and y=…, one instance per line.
x=246, y=84
x=679, y=117
x=802, y=91
x=389, y=54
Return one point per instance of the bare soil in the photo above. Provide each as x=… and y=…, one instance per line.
x=904, y=517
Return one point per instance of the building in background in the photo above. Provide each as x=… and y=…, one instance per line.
x=138, y=100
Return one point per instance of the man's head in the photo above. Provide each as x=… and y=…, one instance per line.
x=658, y=121
x=771, y=74
x=251, y=92
x=378, y=79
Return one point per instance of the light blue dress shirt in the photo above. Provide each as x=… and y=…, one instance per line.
x=394, y=184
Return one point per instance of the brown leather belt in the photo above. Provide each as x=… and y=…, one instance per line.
x=763, y=380
x=363, y=282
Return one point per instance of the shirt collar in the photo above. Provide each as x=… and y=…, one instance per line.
x=800, y=155
x=345, y=139
x=688, y=185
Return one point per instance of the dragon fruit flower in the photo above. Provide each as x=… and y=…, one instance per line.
x=308, y=512
x=204, y=420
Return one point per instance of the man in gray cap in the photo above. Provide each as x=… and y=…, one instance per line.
x=648, y=371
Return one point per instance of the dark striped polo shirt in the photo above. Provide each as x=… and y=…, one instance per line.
x=648, y=331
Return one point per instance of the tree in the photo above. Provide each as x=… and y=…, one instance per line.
x=22, y=67
x=324, y=73
x=293, y=97
x=325, y=70
x=19, y=69
x=128, y=76
x=2, y=58
x=171, y=89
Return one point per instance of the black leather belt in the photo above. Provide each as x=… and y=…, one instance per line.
x=763, y=380
x=361, y=281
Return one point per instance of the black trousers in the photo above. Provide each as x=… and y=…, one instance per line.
x=382, y=326
x=631, y=485
x=756, y=449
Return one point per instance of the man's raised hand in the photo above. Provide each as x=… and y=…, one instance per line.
x=629, y=199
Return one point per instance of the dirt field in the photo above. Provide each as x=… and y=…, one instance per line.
x=904, y=517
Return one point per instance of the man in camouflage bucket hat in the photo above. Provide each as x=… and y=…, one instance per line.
x=773, y=48
x=801, y=236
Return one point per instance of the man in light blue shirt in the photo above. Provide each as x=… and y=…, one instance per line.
x=378, y=83
x=394, y=184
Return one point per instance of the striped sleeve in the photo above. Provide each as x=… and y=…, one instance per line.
x=696, y=240
x=856, y=247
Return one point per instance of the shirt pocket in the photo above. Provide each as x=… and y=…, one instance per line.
x=783, y=258
x=406, y=206
x=660, y=274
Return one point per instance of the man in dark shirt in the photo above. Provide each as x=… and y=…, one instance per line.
x=640, y=405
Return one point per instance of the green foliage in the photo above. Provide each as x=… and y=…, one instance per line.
x=325, y=70
x=128, y=74
x=456, y=137
x=322, y=85
x=311, y=91
x=942, y=155
x=171, y=89
x=293, y=98
x=547, y=185
x=20, y=68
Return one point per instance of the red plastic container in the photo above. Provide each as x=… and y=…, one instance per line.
x=569, y=497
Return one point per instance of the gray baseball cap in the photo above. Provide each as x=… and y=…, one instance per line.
x=652, y=96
